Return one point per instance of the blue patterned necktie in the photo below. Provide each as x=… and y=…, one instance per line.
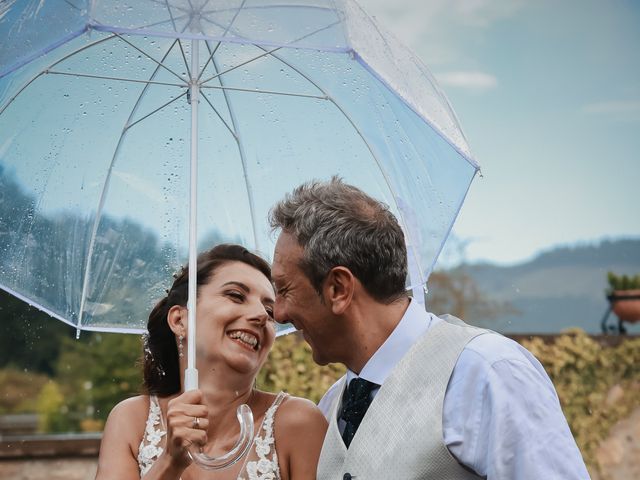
x=355, y=405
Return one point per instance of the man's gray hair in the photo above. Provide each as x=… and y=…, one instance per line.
x=338, y=224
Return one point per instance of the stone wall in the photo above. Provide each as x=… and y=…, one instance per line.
x=49, y=457
x=49, y=468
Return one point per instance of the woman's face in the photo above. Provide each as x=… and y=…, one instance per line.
x=235, y=317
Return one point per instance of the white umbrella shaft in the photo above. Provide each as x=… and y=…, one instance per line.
x=191, y=373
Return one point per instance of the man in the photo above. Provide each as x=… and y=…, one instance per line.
x=424, y=397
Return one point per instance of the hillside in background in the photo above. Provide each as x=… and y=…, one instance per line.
x=558, y=289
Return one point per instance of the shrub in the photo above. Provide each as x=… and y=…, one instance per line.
x=19, y=390
x=586, y=375
x=622, y=282
x=290, y=367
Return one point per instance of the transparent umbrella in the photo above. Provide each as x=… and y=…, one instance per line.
x=126, y=123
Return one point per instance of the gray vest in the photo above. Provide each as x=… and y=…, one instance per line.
x=400, y=436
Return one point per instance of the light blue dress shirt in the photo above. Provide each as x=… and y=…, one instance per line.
x=501, y=416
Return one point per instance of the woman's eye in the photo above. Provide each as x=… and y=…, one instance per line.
x=236, y=295
x=270, y=313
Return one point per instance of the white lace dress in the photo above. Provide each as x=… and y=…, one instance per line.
x=261, y=462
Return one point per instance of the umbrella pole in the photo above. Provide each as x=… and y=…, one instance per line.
x=243, y=413
x=191, y=373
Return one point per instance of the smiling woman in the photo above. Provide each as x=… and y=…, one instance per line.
x=235, y=334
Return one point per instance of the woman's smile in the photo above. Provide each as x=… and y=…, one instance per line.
x=246, y=339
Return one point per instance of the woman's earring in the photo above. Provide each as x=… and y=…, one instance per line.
x=180, y=346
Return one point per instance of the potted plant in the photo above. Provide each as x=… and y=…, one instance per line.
x=624, y=295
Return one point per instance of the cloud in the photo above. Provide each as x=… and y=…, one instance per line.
x=478, y=81
x=433, y=27
x=612, y=107
x=481, y=13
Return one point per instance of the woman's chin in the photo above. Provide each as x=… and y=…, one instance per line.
x=242, y=365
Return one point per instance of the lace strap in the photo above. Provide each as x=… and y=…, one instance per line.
x=266, y=467
x=150, y=449
x=276, y=403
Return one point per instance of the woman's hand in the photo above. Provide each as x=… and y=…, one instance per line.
x=187, y=423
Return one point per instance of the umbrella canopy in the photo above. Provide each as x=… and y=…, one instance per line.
x=103, y=103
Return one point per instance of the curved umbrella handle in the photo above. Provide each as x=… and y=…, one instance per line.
x=245, y=418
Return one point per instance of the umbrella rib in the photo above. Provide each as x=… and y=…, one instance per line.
x=266, y=7
x=192, y=9
x=226, y=30
x=154, y=111
x=268, y=92
x=299, y=72
x=344, y=113
x=266, y=52
x=220, y=117
x=173, y=20
x=10, y=101
x=184, y=58
x=217, y=24
x=103, y=194
x=81, y=49
x=106, y=28
x=175, y=27
x=150, y=57
x=172, y=6
x=120, y=79
x=230, y=69
x=243, y=158
x=72, y=5
x=332, y=100
x=373, y=154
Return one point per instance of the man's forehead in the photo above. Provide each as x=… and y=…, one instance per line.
x=286, y=257
x=280, y=274
x=287, y=249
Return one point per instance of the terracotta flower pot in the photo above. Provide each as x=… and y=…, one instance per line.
x=627, y=309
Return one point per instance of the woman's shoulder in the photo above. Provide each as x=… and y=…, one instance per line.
x=296, y=413
x=132, y=407
x=125, y=428
x=130, y=416
x=300, y=428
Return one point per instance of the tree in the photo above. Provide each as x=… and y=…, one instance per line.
x=455, y=292
x=29, y=339
x=97, y=372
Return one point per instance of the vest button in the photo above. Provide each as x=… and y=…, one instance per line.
x=346, y=476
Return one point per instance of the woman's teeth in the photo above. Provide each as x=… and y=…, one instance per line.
x=245, y=337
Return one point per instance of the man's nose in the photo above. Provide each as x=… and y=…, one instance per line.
x=279, y=311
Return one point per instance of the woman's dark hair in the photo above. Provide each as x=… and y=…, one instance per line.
x=161, y=367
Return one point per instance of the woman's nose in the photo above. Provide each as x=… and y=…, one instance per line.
x=259, y=314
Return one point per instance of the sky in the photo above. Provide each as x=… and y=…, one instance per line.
x=548, y=96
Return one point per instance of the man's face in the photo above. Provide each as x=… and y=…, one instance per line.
x=298, y=303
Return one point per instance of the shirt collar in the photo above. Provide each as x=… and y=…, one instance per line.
x=413, y=324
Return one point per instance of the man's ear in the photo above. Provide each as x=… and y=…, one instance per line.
x=177, y=319
x=338, y=289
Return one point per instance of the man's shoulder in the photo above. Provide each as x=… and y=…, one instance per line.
x=488, y=357
x=493, y=347
x=488, y=346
